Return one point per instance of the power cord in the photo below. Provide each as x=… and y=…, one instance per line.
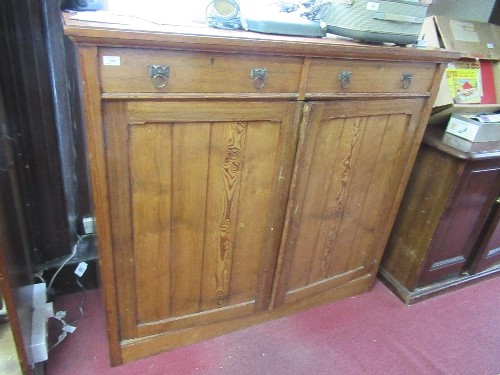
x=67, y=325
x=73, y=253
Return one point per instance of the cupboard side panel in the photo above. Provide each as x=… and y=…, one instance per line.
x=118, y=174
x=431, y=184
x=89, y=70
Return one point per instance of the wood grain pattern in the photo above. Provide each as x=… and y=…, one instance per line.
x=193, y=220
x=197, y=72
x=427, y=196
x=349, y=169
x=228, y=144
x=120, y=212
x=367, y=77
x=257, y=186
x=151, y=197
x=190, y=145
x=334, y=212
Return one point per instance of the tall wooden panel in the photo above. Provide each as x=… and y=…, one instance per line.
x=352, y=157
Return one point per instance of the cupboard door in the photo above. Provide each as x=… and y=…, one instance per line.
x=457, y=233
x=489, y=251
x=197, y=194
x=352, y=157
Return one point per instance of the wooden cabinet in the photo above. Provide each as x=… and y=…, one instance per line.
x=446, y=234
x=246, y=181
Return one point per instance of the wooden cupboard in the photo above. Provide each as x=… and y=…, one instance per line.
x=240, y=177
x=446, y=234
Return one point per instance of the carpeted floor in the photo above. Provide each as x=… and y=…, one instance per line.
x=374, y=333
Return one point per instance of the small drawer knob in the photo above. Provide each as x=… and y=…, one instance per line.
x=345, y=79
x=259, y=76
x=406, y=80
x=159, y=75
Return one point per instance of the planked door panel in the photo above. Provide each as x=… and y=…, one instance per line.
x=351, y=162
x=454, y=243
x=198, y=195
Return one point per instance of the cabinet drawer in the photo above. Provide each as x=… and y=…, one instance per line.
x=368, y=77
x=128, y=70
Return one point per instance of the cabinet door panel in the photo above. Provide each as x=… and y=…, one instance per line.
x=457, y=232
x=489, y=251
x=352, y=157
x=197, y=195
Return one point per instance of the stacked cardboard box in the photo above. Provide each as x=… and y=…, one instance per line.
x=472, y=85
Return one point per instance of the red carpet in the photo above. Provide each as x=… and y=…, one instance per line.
x=373, y=333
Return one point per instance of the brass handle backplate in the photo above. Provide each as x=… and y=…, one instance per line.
x=406, y=80
x=259, y=76
x=159, y=75
x=345, y=79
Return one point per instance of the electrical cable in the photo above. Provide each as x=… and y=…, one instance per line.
x=73, y=253
x=83, y=299
x=68, y=326
x=38, y=275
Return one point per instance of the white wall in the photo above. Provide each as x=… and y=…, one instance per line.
x=474, y=10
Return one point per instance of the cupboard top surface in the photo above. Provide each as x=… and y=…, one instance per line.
x=145, y=34
x=459, y=148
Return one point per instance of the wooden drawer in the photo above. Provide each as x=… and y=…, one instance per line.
x=368, y=76
x=127, y=71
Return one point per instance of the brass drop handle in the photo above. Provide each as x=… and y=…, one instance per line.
x=345, y=79
x=259, y=76
x=159, y=75
x=406, y=80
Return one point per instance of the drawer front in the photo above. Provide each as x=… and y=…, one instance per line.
x=325, y=76
x=129, y=70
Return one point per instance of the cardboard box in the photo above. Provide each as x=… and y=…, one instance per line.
x=466, y=146
x=467, y=126
x=475, y=40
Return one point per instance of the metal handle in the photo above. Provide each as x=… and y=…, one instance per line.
x=345, y=79
x=397, y=17
x=406, y=80
x=259, y=76
x=159, y=75
x=349, y=3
